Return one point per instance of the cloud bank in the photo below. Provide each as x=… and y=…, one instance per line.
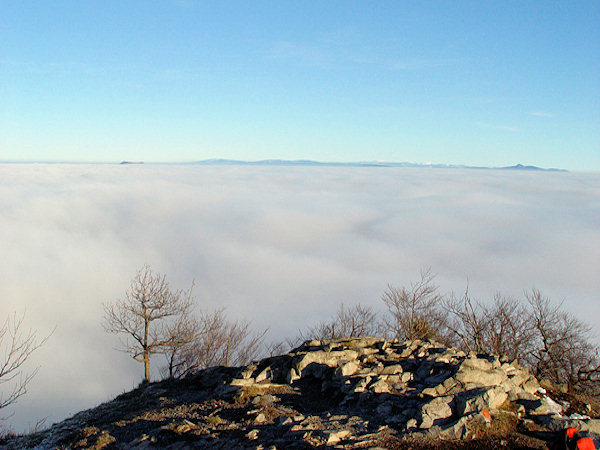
x=280, y=246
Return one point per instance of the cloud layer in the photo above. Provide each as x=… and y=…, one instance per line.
x=281, y=246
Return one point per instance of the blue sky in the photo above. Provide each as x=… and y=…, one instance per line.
x=479, y=83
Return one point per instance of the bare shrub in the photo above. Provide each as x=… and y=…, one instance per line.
x=16, y=346
x=563, y=352
x=541, y=335
x=146, y=316
x=181, y=333
x=354, y=321
x=415, y=312
x=510, y=330
x=277, y=348
x=503, y=328
x=217, y=341
x=467, y=321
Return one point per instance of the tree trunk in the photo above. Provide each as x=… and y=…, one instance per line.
x=227, y=353
x=146, y=365
x=146, y=351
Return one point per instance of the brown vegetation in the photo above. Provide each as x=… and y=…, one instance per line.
x=552, y=342
x=156, y=319
x=353, y=321
x=152, y=316
x=216, y=341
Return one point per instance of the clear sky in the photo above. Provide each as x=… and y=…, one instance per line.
x=470, y=82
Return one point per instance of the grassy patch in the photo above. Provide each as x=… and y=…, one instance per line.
x=501, y=424
x=215, y=420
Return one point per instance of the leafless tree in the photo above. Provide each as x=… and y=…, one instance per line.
x=415, y=312
x=354, y=321
x=182, y=333
x=564, y=352
x=503, y=328
x=277, y=348
x=544, y=337
x=16, y=345
x=217, y=341
x=148, y=316
x=510, y=330
x=467, y=321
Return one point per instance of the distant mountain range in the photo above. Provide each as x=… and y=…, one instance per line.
x=305, y=162
x=522, y=167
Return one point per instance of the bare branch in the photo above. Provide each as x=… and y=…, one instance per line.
x=564, y=352
x=467, y=321
x=151, y=315
x=354, y=321
x=415, y=312
x=216, y=341
x=17, y=345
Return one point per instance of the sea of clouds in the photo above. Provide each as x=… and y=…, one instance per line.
x=279, y=246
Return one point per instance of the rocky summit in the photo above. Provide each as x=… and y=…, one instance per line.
x=345, y=393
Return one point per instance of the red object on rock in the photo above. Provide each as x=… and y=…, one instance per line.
x=586, y=443
x=570, y=439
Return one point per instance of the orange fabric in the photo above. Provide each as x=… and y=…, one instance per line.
x=586, y=443
x=571, y=432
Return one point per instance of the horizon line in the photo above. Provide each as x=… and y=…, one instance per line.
x=297, y=162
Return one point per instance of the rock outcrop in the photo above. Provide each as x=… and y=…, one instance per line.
x=345, y=393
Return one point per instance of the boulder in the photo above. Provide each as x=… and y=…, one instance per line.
x=347, y=368
x=436, y=411
x=467, y=374
x=330, y=359
x=333, y=437
x=379, y=386
x=479, y=399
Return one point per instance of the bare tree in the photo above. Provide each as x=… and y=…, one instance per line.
x=564, y=352
x=146, y=316
x=544, y=337
x=467, y=321
x=503, y=328
x=16, y=345
x=510, y=330
x=276, y=348
x=182, y=333
x=353, y=321
x=217, y=341
x=415, y=312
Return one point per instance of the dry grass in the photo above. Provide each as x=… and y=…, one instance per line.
x=102, y=440
x=247, y=393
x=503, y=423
x=215, y=420
x=513, y=442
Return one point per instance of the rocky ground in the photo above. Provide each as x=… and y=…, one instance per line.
x=348, y=393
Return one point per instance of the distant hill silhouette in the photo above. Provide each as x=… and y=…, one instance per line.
x=305, y=162
x=522, y=167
